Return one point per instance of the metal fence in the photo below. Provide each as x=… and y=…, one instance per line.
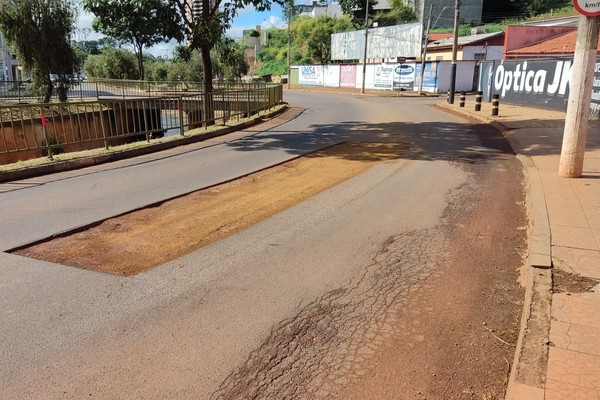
x=33, y=130
x=113, y=88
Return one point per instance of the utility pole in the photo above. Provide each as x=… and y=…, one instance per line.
x=289, y=40
x=580, y=94
x=454, y=51
x=364, y=72
x=424, y=50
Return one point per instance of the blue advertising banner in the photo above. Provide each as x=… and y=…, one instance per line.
x=430, y=76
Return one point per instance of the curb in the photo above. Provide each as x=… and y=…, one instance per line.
x=528, y=372
x=83, y=162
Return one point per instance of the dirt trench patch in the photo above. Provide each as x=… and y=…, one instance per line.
x=134, y=242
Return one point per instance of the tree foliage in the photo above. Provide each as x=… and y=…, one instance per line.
x=311, y=43
x=203, y=30
x=112, y=64
x=141, y=23
x=400, y=13
x=496, y=10
x=39, y=31
x=230, y=59
x=355, y=9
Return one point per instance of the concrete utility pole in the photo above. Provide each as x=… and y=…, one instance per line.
x=364, y=72
x=289, y=41
x=580, y=94
x=454, y=52
x=424, y=50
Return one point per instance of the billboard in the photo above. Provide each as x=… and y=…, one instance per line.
x=348, y=75
x=384, y=76
x=310, y=75
x=430, y=76
x=331, y=75
x=404, y=77
x=542, y=83
x=386, y=42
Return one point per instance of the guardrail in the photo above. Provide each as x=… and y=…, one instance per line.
x=34, y=130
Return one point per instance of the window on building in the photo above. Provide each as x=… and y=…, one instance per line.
x=479, y=56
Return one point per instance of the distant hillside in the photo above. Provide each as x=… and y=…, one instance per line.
x=498, y=10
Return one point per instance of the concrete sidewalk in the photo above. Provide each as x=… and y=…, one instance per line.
x=561, y=361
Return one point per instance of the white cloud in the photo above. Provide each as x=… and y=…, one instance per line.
x=84, y=29
x=273, y=21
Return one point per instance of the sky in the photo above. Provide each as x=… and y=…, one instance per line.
x=247, y=18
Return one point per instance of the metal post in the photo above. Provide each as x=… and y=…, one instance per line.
x=180, y=110
x=46, y=138
x=101, y=116
x=454, y=52
x=364, y=71
x=289, y=40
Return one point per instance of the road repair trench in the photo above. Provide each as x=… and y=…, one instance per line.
x=135, y=242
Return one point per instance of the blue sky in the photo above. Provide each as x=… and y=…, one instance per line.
x=247, y=18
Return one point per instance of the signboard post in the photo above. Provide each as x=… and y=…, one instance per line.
x=578, y=106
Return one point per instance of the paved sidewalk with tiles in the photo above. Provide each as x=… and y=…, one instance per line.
x=573, y=209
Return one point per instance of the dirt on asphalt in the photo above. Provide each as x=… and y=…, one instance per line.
x=436, y=316
x=143, y=239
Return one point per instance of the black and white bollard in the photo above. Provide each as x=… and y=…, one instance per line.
x=478, y=100
x=463, y=98
x=495, y=104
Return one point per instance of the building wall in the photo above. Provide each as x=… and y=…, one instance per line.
x=444, y=55
x=490, y=52
x=467, y=53
x=9, y=70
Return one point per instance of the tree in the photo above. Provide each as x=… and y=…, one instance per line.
x=40, y=32
x=205, y=28
x=112, y=64
x=355, y=9
x=399, y=13
x=142, y=23
x=231, y=59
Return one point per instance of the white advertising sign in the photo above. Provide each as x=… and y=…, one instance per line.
x=310, y=75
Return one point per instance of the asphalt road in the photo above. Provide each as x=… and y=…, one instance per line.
x=183, y=329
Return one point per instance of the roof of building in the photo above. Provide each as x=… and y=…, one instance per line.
x=463, y=40
x=563, y=44
x=434, y=37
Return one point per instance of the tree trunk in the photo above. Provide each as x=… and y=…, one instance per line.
x=208, y=111
x=48, y=94
x=140, y=57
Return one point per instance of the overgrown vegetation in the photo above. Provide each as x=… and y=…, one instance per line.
x=310, y=43
x=227, y=59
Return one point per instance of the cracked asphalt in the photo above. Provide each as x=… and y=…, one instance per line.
x=400, y=283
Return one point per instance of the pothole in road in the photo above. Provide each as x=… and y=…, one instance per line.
x=137, y=241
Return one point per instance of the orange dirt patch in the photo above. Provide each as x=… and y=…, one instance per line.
x=134, y=242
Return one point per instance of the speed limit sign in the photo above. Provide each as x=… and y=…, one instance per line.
x=590, y=8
